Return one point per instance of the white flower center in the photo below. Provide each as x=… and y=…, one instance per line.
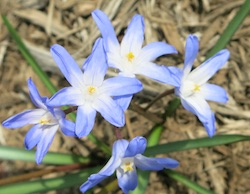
x=48, y=119
x=91, y=90
x=128, y=64
x=127, y=164
x=189, y=88
x=90, y=93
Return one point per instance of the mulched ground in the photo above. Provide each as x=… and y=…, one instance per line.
x=223, y=169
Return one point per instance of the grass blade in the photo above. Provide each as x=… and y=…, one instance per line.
x=43, y=185
x=12, y=153
x=195, y=143
x=230, y=29
x=187, y=182
x=29, y=58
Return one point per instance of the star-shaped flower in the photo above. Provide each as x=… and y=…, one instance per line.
x=129, y=57
x=193, y=89
x=46, y=121
x=89, y=91
x=126, y=157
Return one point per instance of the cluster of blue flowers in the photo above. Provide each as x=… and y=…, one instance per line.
x=91, y=93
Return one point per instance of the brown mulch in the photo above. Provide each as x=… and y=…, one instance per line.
x=223, y=169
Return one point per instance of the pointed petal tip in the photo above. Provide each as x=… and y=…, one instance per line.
x=193, y=37
x=97, y=11
x=8, y=124
x=210, y=126
x=38, y=161
x=55, y=46
x=174, y=164
x=81, y=133
x=225, y=53
x=5, y=123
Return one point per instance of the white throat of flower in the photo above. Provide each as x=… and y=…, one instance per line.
x=90, y=92
x=48, y=119
x=127, y=165
x=128, y=63
x=189, y=88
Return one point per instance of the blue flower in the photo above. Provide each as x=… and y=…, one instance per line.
x=193, y=89
x=46, y=121
x=126, y=157
x=89, y=91
x=129, y=56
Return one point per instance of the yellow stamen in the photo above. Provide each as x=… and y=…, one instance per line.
x=44, y=121
x=197, y=88
x=128, y=167
x=130, y=56
x=91, y=90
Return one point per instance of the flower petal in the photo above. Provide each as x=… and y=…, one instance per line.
x=123, y=101
x=127, y=181
x=198, y=106
x=33, y=137
x=155, y=49
x=176, y=74
x=67, y=127
x=108, y=33
x=67, y=96
x=114, y=162
x=205, y=71
x=158, y=73
x=136, y=146
x=35, y=97
x=110, y=110
x=24, y=118
x=58, y=113
x=214, y=93
x=67, y=65
x=145, y=163
x=85, y=120
x=96, y=67
x=134, y=36
x=115, y=86
x=191, y=51
x=47, y=137
x=115, y=60
x=92, y=181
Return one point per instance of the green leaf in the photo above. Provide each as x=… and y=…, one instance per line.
x=44, y=77
x=12, y=153
x=230, y=29
x=155, y=135
x=43, y=185
x=195, y=143
x=29, y=58
x=187, y=182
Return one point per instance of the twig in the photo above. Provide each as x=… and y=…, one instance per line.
x=150, y=116
x=28, y=176
x=159, y=97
